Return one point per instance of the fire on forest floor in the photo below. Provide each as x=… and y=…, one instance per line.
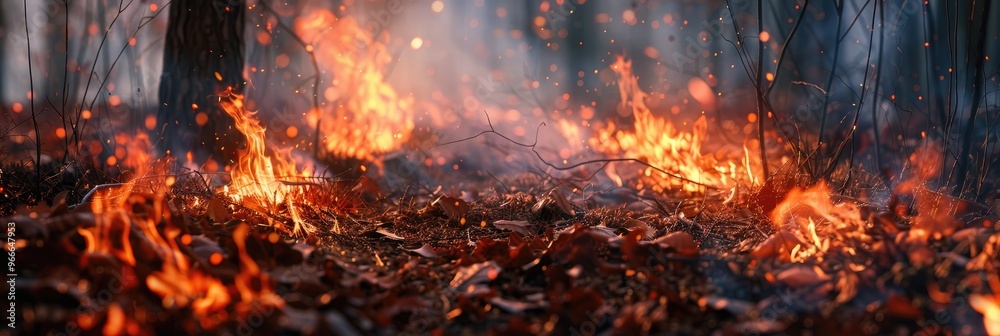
x=153, y=256
x=280, y=251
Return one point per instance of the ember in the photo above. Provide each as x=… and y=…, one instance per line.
x=457, y=167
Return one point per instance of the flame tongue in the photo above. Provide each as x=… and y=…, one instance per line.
x=256, y=177
x=368, y=116
x=656, y=141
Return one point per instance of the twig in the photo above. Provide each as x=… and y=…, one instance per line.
x=90, y=194
x=826, y=97
x=533, y=147
x=121, y=8
x=34, y=117
x=854, y=124
x=142, y=23
x=65, y=89
x=784, y=46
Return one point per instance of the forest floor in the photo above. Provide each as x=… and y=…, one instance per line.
x=513, y=260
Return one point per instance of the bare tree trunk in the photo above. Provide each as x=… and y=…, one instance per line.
x=203, y=55
x=976, y=79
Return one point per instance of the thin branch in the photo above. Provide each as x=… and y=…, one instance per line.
x=34, y=117
x=100, y=47
x=854, y=125
x=142, y=23
x=534, y=149
x=784, y=47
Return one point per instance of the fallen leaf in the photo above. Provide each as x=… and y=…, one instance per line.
x=679, y=241
x=519, y=226
x=554, y=199
x=779, y=244
x=453, y=207
x=383, y=233
x=801, y=275
x=475, y=274
x=603, y=233
x=425, y=251
x=513, y=307
x=217, y=211
x=633, y=224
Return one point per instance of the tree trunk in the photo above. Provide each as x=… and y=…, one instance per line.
x=203, y=55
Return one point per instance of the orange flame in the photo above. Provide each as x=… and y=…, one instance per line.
x=256, y=177
x=177, y=283
x=935, y=211
x=252, y=284
x=368, y=117
x=109, y=235
x=813, y=215
x=658, y=142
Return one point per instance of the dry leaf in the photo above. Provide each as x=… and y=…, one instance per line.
x=802, y=275
x=519, y=226
x=779, y=244
x=554, y=199
x=632, y=224
x=514, y=307
x=453, y=207
x=475, y=274
x=217, y=211
x=383, y=233
x=680, y=241
x=425, y=251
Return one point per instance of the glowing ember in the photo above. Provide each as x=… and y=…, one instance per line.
x=819, y=223
x=367, y=116
x=658, y=142
x=256, y=177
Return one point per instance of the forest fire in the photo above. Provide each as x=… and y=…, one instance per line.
x=725, y=173
x=380, y=119
x=674, y=153
x=257, y=176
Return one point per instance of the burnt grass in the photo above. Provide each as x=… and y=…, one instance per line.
x=516, y=259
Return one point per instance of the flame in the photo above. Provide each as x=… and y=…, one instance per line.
x=256, y=177
x=989, y=306
x=658, y=142
x=177, y=283
x=368, y=117
x=824, y=225
x=251, y=283
x=935, y=211
x=110, y=233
